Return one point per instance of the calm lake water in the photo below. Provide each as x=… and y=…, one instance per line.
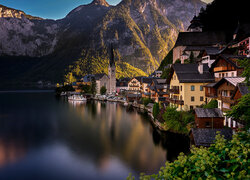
x=42, y=137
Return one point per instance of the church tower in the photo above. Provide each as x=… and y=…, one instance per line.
x=112, y=71
x=195, y=25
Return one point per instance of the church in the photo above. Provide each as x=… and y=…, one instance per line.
x=108, y=81
x=112, y=73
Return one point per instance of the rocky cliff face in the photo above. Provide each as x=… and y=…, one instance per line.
x=142, y=31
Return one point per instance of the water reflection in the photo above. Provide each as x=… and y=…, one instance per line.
x=92, y=140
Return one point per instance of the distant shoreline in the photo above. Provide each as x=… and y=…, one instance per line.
x=26, y=91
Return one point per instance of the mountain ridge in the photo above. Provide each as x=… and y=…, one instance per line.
x=143, y=31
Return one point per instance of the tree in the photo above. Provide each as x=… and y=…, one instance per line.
x=85, y=88
x=93, y=86
x=241, y=111
x=166, y=74
x=222, y=160
x=146, y=101
x=69, y=78
x=156, y=110
x=103, y=90
x=212, y=104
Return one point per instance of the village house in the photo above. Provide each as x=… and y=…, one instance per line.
x=244, y=47
x=156, y=74
x=240, y=90
x=158, y=90
x=226, y=66
x=223, y=91
x=209, y=118
x=122, y=85
x=186, y=85
x=145, y=86
x=134, y=85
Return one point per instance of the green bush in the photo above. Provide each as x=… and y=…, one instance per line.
x=156, y=110
x=146, y=101
x=212, y=104
x=223, y=160
x=103, y=90
x=177, y=121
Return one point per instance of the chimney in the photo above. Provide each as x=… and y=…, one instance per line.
x=200, y=68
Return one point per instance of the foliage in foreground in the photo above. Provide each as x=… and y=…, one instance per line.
x=177, y=121
x=223, y=160
x=241, y=111
x=212, y=104
x=103, y=90
x=146, y=101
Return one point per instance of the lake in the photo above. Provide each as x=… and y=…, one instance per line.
x=44, y=137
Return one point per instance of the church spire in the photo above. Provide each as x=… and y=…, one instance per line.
x=112, y=57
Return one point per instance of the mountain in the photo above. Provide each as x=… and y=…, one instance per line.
x=142, y=31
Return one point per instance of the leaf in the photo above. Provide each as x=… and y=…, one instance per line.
x=223, y=170
x=206, y=174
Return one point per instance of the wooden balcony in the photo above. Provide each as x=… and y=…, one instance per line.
x=226, y=99
x=175, y=101
x=221, y=68
x=174, y=91
x=211, y=95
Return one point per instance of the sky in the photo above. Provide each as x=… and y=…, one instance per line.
x=50, y=9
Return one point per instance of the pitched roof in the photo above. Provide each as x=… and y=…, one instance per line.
x=200, y=38
x=206, y=137
x=235, y=80
x=242, y=87
x=208, y=113
x=210, y=85
x=99, y=76
x=231, y=59
x=189, y=73
x=147, y=80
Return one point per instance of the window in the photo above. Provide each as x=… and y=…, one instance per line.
x=192, y=98
x=191, y=107
x=219, y=75
x=192, y=88
x=232, y=74
x=208, y=124
x=208, y=89
x=222, y=75
x=201, y=88
x=201, y=98
x=224, y=93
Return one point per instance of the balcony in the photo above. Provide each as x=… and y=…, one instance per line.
x=211, y=95
x=175, y=101
x=221, y=68
x=226, y=99
x=174, y=91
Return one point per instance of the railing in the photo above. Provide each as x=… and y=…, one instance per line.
x=221, y=68
x=175, y=101
x=212, y=95
x=174, y=91
x=226, y=99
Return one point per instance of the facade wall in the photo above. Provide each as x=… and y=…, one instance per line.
x=185, y=93
x=112, y=80
x=209, y=122
x=134, y=85
x=197, y=93
x=104, y=81
x=177, y=52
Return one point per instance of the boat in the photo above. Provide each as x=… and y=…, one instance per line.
x=63, y=94
x=77, y=98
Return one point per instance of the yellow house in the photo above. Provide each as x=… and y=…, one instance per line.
x=187, y=85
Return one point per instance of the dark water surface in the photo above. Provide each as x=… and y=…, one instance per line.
x=42, y=137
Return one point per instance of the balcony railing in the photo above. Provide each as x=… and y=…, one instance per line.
x=211, y=95
x=175, y=101
x=226, y=99
x=174, y=91
x=221, y=68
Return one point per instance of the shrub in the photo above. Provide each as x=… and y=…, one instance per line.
x=103, y=90
x=223, y=160
x=156, y=110
x=146, y=101
x=212, y=104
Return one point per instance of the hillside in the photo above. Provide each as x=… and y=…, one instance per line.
x=143, y=32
